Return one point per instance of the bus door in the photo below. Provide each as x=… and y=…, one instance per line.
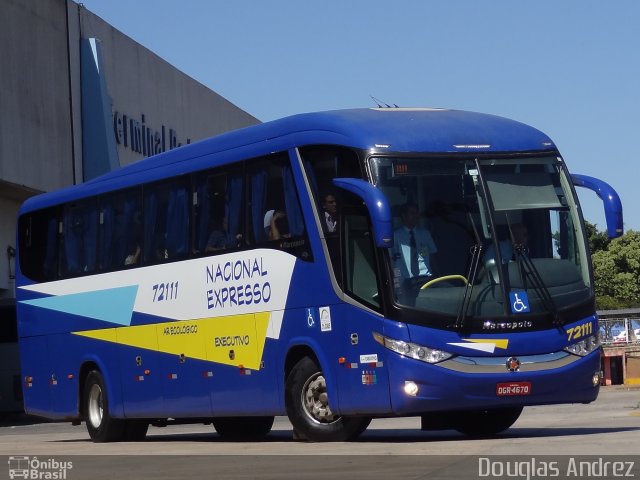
x=363, y=382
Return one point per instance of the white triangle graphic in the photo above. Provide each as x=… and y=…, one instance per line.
x=483, y=347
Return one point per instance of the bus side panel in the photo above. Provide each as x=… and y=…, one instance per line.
x=239, y=391
x=245, y=382
x=142, y=384
x=187, y=387
x=35, y=376
x=64, y=359
x=362, y=380
x=186, y=381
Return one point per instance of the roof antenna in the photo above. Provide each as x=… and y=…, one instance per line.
x=380, y=103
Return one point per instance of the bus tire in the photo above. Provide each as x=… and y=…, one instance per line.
x=308, y=409
x=479, y=423
x=243, y=428
x=135, y=430
x=100, y=425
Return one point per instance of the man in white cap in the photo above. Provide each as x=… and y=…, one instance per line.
x=275, y=225
x=267, y=223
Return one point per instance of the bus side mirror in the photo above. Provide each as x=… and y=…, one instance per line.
x=610, y=199
x=377, y=205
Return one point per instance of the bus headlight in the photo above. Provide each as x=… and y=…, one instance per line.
x=412, y=350
x=584, y=347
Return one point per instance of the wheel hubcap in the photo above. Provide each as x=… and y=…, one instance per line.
x=95, y=411
x=316, y=401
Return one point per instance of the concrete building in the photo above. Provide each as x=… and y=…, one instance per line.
x=78, y=98
x=620, y=337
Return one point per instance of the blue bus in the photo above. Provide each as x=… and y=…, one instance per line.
x=334, y=267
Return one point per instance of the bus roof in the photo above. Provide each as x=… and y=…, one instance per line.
x=428, y=130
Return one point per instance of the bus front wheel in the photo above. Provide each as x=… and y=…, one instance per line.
x=101, y=426
x=486, y=422
x=308, y=408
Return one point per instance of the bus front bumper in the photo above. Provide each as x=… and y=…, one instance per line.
x=464, y=383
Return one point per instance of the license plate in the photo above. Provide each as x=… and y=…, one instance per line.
x=513, y=388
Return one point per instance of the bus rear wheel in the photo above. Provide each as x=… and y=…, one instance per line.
x=309, y=411
x=243, y=428
x=100, y=425
x=479, y=423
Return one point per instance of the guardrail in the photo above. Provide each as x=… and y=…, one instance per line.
x=620, y=331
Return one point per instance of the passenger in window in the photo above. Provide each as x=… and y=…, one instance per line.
x=219, y=238
x=134, y=254
x=267, y=223
x=330, y=212
x=276, y=225
x=160, y=249
x=134, y=234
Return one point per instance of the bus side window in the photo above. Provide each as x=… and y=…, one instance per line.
x=79, y=238
x=38, y=245
x=360, y=270
x=274, y=211
x=177, y=229
x=274, y=200
x=209, y=208
x=218, y=212
x=166, y=221
x=323, y=163
x=257, y=182
x=120, y=230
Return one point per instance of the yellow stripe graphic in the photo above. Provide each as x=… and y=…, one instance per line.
x=236, y=340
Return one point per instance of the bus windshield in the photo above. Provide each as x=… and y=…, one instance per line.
x=484, y=238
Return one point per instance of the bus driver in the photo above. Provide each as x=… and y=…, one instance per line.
x=413, y=250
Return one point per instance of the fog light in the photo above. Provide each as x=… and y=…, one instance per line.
x=410, y=388
x=596, y=379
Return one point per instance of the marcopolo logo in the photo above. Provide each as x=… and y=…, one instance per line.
x=40, y=469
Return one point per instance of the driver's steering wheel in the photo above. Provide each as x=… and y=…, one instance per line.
x=444, y=278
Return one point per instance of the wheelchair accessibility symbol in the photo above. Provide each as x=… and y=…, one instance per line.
x=519, y=302
x=310, y=320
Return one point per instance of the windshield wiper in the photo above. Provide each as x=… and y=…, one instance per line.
x=476, y=255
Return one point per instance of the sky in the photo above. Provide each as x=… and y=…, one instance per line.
x=570, y=68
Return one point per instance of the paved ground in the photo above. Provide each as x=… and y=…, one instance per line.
x=611, y=425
